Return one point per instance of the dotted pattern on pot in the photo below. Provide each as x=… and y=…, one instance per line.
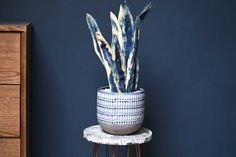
x=120, y=109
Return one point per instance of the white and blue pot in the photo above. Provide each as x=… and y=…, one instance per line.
x=120, y=113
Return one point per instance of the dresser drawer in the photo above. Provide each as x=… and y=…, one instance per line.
x=9, y=147
x=10, y=58
x=9, y=111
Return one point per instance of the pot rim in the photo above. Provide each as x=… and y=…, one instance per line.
x=102, y=90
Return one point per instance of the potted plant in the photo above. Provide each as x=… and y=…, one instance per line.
x=120, y=106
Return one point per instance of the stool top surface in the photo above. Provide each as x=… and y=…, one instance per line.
x=96, y=135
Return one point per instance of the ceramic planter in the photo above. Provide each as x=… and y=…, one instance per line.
x=120, y=113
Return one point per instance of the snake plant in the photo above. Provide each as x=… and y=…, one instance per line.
x=120, y=58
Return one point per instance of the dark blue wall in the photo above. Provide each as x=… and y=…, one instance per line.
x=188, y=61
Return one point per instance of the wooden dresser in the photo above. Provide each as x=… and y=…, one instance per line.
x=14, y=39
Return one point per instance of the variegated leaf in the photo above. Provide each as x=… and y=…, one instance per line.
x=130, y=81
x=136, y=75
x=133, y=70
x=129, y=84
x=144, y=12
x=116, y=44
x=126, y=22
x=118, y=65
x=109, y=62
x=111, y=82
x=93, y=27
x=120, y=60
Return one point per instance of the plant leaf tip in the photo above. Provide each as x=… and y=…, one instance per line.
x=88, y=16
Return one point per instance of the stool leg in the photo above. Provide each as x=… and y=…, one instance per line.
x=113, y=151
x=139, y=150
x=95, y=150
x=136, y=150
x=107, y=151
x=127, y=151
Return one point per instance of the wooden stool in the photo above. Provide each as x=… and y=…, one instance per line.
x=96, y=135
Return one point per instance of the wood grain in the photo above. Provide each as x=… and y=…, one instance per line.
x=14, y=27
x=14, y=72
x=9, y=110
x=9, y=147
x=9, y=58
x=25, y=92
